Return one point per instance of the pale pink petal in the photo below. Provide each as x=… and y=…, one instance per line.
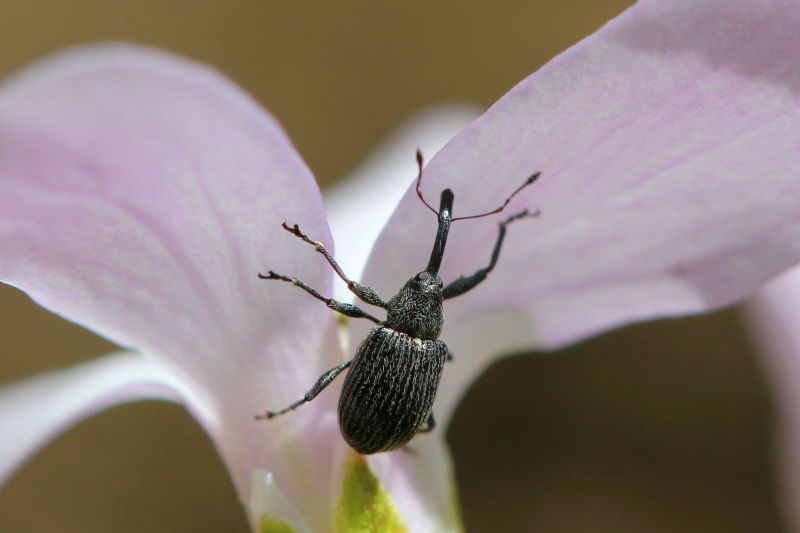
x=34, y=411
x=669, y=149
x=773, y=316
x=140, y=194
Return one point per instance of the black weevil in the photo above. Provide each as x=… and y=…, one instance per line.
x=388, y=393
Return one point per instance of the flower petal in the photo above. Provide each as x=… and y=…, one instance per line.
x=421, y=484
x=140, y=194
x=34, y=411
x=773, y=317
x=667, y=143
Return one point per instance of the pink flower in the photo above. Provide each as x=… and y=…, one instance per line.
x=141, y=193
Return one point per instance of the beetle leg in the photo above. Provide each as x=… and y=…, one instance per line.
x=340, y=307
x=429, y=424
x=466, y=283
x=363, y=292
x=323, y=381
x=450, y=356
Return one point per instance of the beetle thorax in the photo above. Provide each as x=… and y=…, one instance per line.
x=417, y=309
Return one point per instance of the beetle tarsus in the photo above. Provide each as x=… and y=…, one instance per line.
x=270, y=275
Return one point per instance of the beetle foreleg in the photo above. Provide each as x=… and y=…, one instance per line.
x=363, y=292
x=323, y=381
x=340, y=307
x=466, y=283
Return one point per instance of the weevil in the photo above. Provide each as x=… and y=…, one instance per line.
x=388, y=393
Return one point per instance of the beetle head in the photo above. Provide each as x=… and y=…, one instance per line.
x=417, y=308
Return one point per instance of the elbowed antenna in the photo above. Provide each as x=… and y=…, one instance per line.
x=445, y=217
x=419, y=182
x=532, y=178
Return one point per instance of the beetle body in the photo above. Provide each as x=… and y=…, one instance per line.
x=391, y=385
x=389, y=390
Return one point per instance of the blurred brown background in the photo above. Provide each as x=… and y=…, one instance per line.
x=663, y=427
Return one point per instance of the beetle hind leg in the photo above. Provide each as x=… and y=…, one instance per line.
x=323, y=381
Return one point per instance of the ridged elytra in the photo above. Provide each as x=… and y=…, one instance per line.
x=388, y=393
